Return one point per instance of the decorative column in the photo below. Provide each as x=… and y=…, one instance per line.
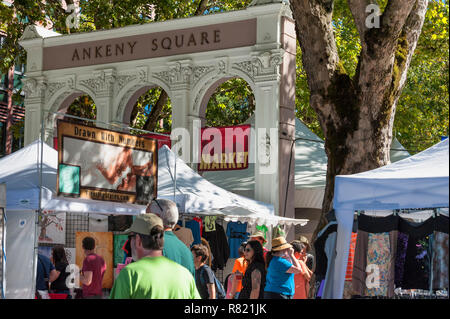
x=178, y=78
x=34, y=89
x=102, y=84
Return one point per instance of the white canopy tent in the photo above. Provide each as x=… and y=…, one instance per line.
x=420, y=181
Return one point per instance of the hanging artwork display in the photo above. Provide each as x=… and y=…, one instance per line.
x=103, y=247
x=119, y=253
x=52, y=228
x=100, y=164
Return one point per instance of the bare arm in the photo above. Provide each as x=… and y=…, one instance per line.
x=296, y=268
x=54, y=274
x=211, y=290
x=256, y=284
x=86, y=278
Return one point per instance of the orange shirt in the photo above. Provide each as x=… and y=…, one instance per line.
x=301, y=284
x=240, y=265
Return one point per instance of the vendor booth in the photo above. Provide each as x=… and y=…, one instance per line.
x=22, y=173
x=417, y=184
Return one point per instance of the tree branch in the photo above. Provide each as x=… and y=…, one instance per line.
x=201, y=7
x=313, y=20
x=358, y=10
x=394, y=17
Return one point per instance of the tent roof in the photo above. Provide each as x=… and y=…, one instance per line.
x=420, y=181
x=196, y=195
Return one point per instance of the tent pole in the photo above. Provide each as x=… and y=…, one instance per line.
x=39, y=211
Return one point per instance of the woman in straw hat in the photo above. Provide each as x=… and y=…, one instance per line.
x=281, y=268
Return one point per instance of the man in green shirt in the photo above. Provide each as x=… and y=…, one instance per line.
x=174, y=248
x=152, y=276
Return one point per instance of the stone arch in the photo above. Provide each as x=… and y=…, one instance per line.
x=129, y=96
x=209, y=85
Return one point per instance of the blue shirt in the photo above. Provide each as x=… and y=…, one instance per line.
x=194, y=226
x=277, y=280
x=237, y=234
x=44, y=266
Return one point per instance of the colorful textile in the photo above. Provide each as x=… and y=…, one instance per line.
x=237, y=234
x=210, y=223
x=194, y=226
x=351, y=257
x=264, y=229
x=402, y=245
x=379, y=255
x=440, y=261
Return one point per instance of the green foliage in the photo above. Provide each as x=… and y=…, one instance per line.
x=422, y=115
x=232, y=104
x=422, y=112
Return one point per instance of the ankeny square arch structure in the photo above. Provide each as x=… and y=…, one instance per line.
x=189, y=58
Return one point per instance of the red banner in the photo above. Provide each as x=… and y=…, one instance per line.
x=224, y=148
x=162, y=139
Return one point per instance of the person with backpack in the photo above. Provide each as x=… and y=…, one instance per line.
x=208, y=286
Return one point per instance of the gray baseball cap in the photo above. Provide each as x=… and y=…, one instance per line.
x=143, y=224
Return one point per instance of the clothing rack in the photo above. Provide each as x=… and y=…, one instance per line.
x=407, y=213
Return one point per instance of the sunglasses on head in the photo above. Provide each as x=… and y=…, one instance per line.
x=247, y=250
x=157, y=203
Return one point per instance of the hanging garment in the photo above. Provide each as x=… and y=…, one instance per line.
x=194, y=226
x=264, y=229
x=210, y=223
x=330, y=251
x=351, y=257
x=402, y=245
x=219, y=247
x=378, y=255
x=319, y=248
x=184, y=234
x=416, y=273
x=368, y=225
x=440, y=253
x=237, y=234
x=440, y=261
x=200, y=224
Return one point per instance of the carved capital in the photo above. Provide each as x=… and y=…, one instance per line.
x=101, y=83
x=178, y=76
x=34, y=88
x=122, y=80
x=262, y=66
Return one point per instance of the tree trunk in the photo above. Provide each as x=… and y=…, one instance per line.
x=152, y=120
x=356, y=114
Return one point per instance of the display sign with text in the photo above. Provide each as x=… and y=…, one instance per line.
x=100, y=164
x=224, y=148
